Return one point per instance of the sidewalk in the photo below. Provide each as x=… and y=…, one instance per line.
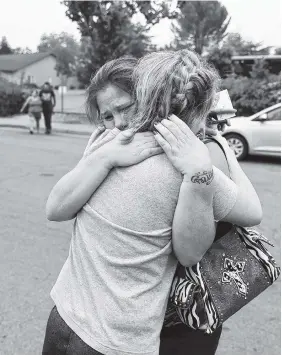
x=58, y=126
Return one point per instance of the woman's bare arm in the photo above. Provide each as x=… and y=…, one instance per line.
x=75, y=188
x=25, y=104
x=193, y=228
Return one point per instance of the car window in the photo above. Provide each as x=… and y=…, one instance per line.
x=274, y=115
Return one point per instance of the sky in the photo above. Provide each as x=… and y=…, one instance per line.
x=23, y=22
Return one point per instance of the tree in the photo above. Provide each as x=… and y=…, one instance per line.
x=254, y=93
x=239, y=46
x=108, y=31
x=65, y=47
x=221, y=58
x=200, y=25
x=19, y=50
x=4, y=46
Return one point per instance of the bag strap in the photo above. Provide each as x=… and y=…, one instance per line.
x=214, y=140
x=222, y=227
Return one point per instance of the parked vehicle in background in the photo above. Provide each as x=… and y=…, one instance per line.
x=259, y=134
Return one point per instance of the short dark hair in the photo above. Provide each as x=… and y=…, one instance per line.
x=117, y=72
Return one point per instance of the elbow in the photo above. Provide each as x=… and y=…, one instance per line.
x=186, y=258
x=190, y=252
x=56, y=214
x=258, y=218
x=256, y=215
x=189, y=262
x=52, y=215
x=255, y=219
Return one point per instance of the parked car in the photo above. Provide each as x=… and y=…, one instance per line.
x=259, y=134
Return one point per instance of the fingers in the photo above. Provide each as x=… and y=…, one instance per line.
x=94, y=136
x=174, y=129
x=147, y=153
x=142, y=135
x=164, y=129
x=102, y=136
x=152, y=143
x=163, y=143
x=182, y=126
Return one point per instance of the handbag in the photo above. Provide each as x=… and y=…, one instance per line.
x=235, y=270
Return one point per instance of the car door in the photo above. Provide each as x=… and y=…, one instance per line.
x=266, y=135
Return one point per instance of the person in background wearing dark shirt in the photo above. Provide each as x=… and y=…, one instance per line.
x=48, y=98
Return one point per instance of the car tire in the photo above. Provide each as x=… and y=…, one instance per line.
x=238, y=144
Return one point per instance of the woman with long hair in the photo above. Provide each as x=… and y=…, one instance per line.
x=136, y=211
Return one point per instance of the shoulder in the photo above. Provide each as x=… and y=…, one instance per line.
x=218, y=157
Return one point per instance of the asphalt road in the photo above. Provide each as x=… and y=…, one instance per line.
x=33, y=250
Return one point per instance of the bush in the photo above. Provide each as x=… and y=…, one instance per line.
x=11, y=98
x=252, y=94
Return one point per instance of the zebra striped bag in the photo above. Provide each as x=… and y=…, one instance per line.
x=235, y=270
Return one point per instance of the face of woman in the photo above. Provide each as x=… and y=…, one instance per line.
x=115, y=106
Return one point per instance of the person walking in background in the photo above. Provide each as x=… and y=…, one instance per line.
x=34, y=104
x=48, y=98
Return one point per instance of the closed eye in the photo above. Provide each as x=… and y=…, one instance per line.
x=108, y=118
x=125, y=109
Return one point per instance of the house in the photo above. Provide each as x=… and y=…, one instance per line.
x=242, y=64
x=36, y=68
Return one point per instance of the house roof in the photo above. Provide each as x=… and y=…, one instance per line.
x=15, y=62
x=254, y=57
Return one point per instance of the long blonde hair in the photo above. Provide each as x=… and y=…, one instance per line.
x=169, y=82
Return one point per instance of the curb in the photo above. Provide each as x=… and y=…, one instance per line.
x=54, y=130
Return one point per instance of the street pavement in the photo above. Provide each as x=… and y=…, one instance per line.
x=33, y=250
x=65, y=124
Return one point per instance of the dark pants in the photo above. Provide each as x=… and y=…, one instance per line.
x=47, y=112
x=61, y=340
x=177, y=340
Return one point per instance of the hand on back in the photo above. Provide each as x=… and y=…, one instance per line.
x=122, y=148
x=185, y=151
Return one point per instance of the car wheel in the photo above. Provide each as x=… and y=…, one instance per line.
x=238, y=144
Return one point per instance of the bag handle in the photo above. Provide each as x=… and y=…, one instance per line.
x=212, y=139
x=222, y=227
